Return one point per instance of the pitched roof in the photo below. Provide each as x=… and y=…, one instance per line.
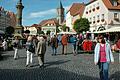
x=48, y=21
x=34, y=25
x=81, y=10
x=109, y=5
x=75, y=8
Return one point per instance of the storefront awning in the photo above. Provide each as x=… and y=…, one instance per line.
x=67, y=33
x=114, y=29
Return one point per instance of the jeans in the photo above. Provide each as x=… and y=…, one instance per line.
x=103, y=67
x=74, y=48
x=54, y=50
x=41, y=59
x=29, y=57
x=16, y=53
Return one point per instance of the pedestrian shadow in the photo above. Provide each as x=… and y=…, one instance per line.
x=115, y=76
x=42, y=74
x=5, y=57
x=55, y=63
x=47, y=64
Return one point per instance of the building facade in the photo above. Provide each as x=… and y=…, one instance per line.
x=7, y=19
x=33, y=29
x=73, y=14
x=49, y=25
x=102, y=14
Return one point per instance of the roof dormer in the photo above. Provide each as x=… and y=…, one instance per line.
x=115, y=2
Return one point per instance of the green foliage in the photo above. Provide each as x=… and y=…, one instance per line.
x=64, y=27
x=41, y=32
x=48, y=32
x=81, y=25
x=9, y=30
x=58, y=30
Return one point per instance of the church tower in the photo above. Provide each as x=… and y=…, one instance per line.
x=60, y=11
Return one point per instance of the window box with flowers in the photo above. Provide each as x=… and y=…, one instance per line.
x=93, y=9
x=102, y=20
x=89, y=11
x=98, y=8
x=98, y=21
x=93, y=21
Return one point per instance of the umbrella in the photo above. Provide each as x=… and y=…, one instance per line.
x=18, y=35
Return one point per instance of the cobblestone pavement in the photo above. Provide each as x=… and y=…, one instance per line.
x=59, y=67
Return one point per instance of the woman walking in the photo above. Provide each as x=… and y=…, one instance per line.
x=103, y=56
x=30, y=50
x=15, y=47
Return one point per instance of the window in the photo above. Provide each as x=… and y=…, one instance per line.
x=102, y=16
x=114, y=3
x=98, y=18
x=94, y=19
x=115, y=15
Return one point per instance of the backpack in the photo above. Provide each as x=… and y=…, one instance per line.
x=31, y=48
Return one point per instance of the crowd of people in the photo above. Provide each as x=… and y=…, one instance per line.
x=37, y=45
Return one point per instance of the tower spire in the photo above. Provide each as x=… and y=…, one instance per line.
x=60, y=11
x=60, y=5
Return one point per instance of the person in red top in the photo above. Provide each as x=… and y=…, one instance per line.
x=103, y=56
x=85, y=44
x=64, y=44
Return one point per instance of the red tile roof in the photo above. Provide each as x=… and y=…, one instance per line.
x=34, y=25
x=81, y=10
x=48, y=21
x=109, y=5
x=75, y=8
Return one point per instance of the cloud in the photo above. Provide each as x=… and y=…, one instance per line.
x=43, y=13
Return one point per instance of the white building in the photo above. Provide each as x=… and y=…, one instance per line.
x=102, y=14
x=73, y=13
x=49, y=25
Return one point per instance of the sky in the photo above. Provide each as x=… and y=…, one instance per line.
x=37, y=10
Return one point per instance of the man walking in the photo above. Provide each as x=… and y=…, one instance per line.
x=40, y=51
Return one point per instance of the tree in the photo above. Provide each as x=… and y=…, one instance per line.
x=9, y=31
x=64, y=27
x=41, y=32
x=81, y=25
x=48, y=32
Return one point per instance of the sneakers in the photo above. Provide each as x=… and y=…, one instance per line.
x=42, y=66
x=26, y=65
